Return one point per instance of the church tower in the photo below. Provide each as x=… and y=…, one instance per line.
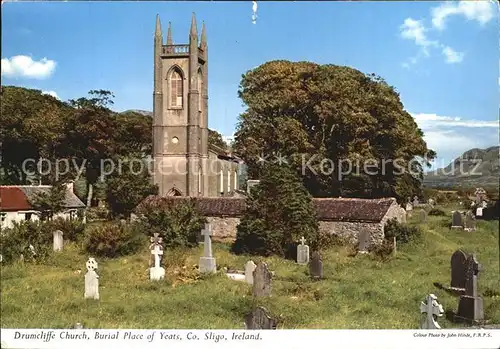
x=180, y=113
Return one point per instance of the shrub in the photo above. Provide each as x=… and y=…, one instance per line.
x=97, y=213
x=403, y=232
x=17, y=240
x=273, y=226
x=177, y=221
x=383, y=251
x=437, y=212
x=72, y=229
x=112, y=240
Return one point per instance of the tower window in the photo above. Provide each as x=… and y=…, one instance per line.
x=200, y=91
x=176, y=89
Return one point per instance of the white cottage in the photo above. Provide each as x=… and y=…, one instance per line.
x=15, y=203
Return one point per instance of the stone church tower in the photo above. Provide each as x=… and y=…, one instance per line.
x=183, y=163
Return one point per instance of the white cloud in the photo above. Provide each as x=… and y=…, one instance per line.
x=414, y=30
x=480, y=11
x=433, y=121
x=452, y=56
x=51, y=93
x=25, y=67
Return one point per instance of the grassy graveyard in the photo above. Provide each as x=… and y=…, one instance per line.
x=357, y=292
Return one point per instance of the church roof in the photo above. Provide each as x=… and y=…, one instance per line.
x=327, y=209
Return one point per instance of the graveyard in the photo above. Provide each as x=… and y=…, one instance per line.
x=356, y=291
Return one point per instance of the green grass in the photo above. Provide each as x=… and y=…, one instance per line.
x=357, y=292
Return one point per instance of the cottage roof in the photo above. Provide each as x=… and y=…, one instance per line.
x=327, y=209
x=18, y=197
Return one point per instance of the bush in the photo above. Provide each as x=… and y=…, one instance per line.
x=273, y=226
x=404, y=233
x=15, y=241
x=72, y=229
x=437, y=212
x=383, y=251
x=177, y=221
x=113, y=240
x=97, y=213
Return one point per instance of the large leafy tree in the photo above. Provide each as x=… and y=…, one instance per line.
x=343, y=130
x=274, y=226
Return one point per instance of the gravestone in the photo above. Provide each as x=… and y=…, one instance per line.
x=207, y=262
x=316, y=266
x=470, y=306
x=456, y=220
x=155, y=240
x=91, y=280
x=431, y=202
x=78, y=326
x=1, y=258
x=470, y=222
x=423, y=216
x=363, y=241
x=415, y=201
x=249, y=269
x=479, y=212
x=157, y=272
x=58, y=240
x=259, y=319
x=458, y=259
x=261, y=280
x=432, y=310
x=409, y=207
x=302, y=252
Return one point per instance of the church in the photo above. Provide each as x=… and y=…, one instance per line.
x=185, y=164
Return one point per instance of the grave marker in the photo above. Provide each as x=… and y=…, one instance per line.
x=261, y=281
x=458, y=259
x=432, y=310
x=470, y=222
x=91, y=280
x=456, y=220
x=156, y=272
x=207, y=262
x=316, y=266
x=302, y=252
x=259, y=319
x=470, y=306
x=249, y=269
x=58, y=241
x=363, y=242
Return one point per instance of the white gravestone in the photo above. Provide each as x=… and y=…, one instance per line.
x=479, y=212
x=432, y=310
x=302, y=252
x=249, y=268
x=91, y=280
x=156, y=272
x=207, y=262
x=58, y=240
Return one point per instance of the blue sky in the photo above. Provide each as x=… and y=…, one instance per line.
x=442, y=57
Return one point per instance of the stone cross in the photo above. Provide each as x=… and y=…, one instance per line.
x=302, y=252
x=58, y=241
x=470, y=306
x=470, y=222
x=458, y=259
x=415, y=201
x=259, y=319
x=316, y=266
x=156, y=241
x=91, y=280
x=433, y=310
x=157, y=252
x=207, y=261
x=156, y=272
x=456, y=220
x=249, y=269
x=261, y=281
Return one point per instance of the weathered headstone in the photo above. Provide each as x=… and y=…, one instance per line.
x=302, y=252
x=470, y=222
x=409, y=207
x=261, y=280
x=156, y=272
x=456, y=220
x=458, y=259
x=316, y=266
x=91, y=280
x=431, y=202
x=207, y=262
x=415, y=201
x=363, y=241
x=470, y=306
x=259, y=319
x=432, y=310
x=422, y=216
x=78, y=326
x=479, y=212
x=58, y=240
x=249, y=269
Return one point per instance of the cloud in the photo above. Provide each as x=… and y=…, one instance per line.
x=25, y=67
x=479, y=11
x=414, y=30
x=51, y=93
x=452, y=56
x=432, y=121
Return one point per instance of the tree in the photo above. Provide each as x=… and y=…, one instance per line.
x=273, y=226
x=126, y=188
x=51, y=202
x=215, y=138
x=329, y=122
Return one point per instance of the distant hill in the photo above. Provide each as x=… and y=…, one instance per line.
x=143, y=112
x=475, y=167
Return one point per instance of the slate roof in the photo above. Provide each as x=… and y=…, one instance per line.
x=327, y=209
x=17, y=198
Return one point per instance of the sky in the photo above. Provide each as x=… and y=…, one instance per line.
x=442, y=57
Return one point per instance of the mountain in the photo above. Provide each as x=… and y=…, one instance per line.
x=142, y=112
x=474, y=168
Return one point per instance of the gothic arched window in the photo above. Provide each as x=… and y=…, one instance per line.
x=176, y=89
x=200, y=91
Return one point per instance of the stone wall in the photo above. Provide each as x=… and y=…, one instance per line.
x=224, y=227
x=350, y=231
